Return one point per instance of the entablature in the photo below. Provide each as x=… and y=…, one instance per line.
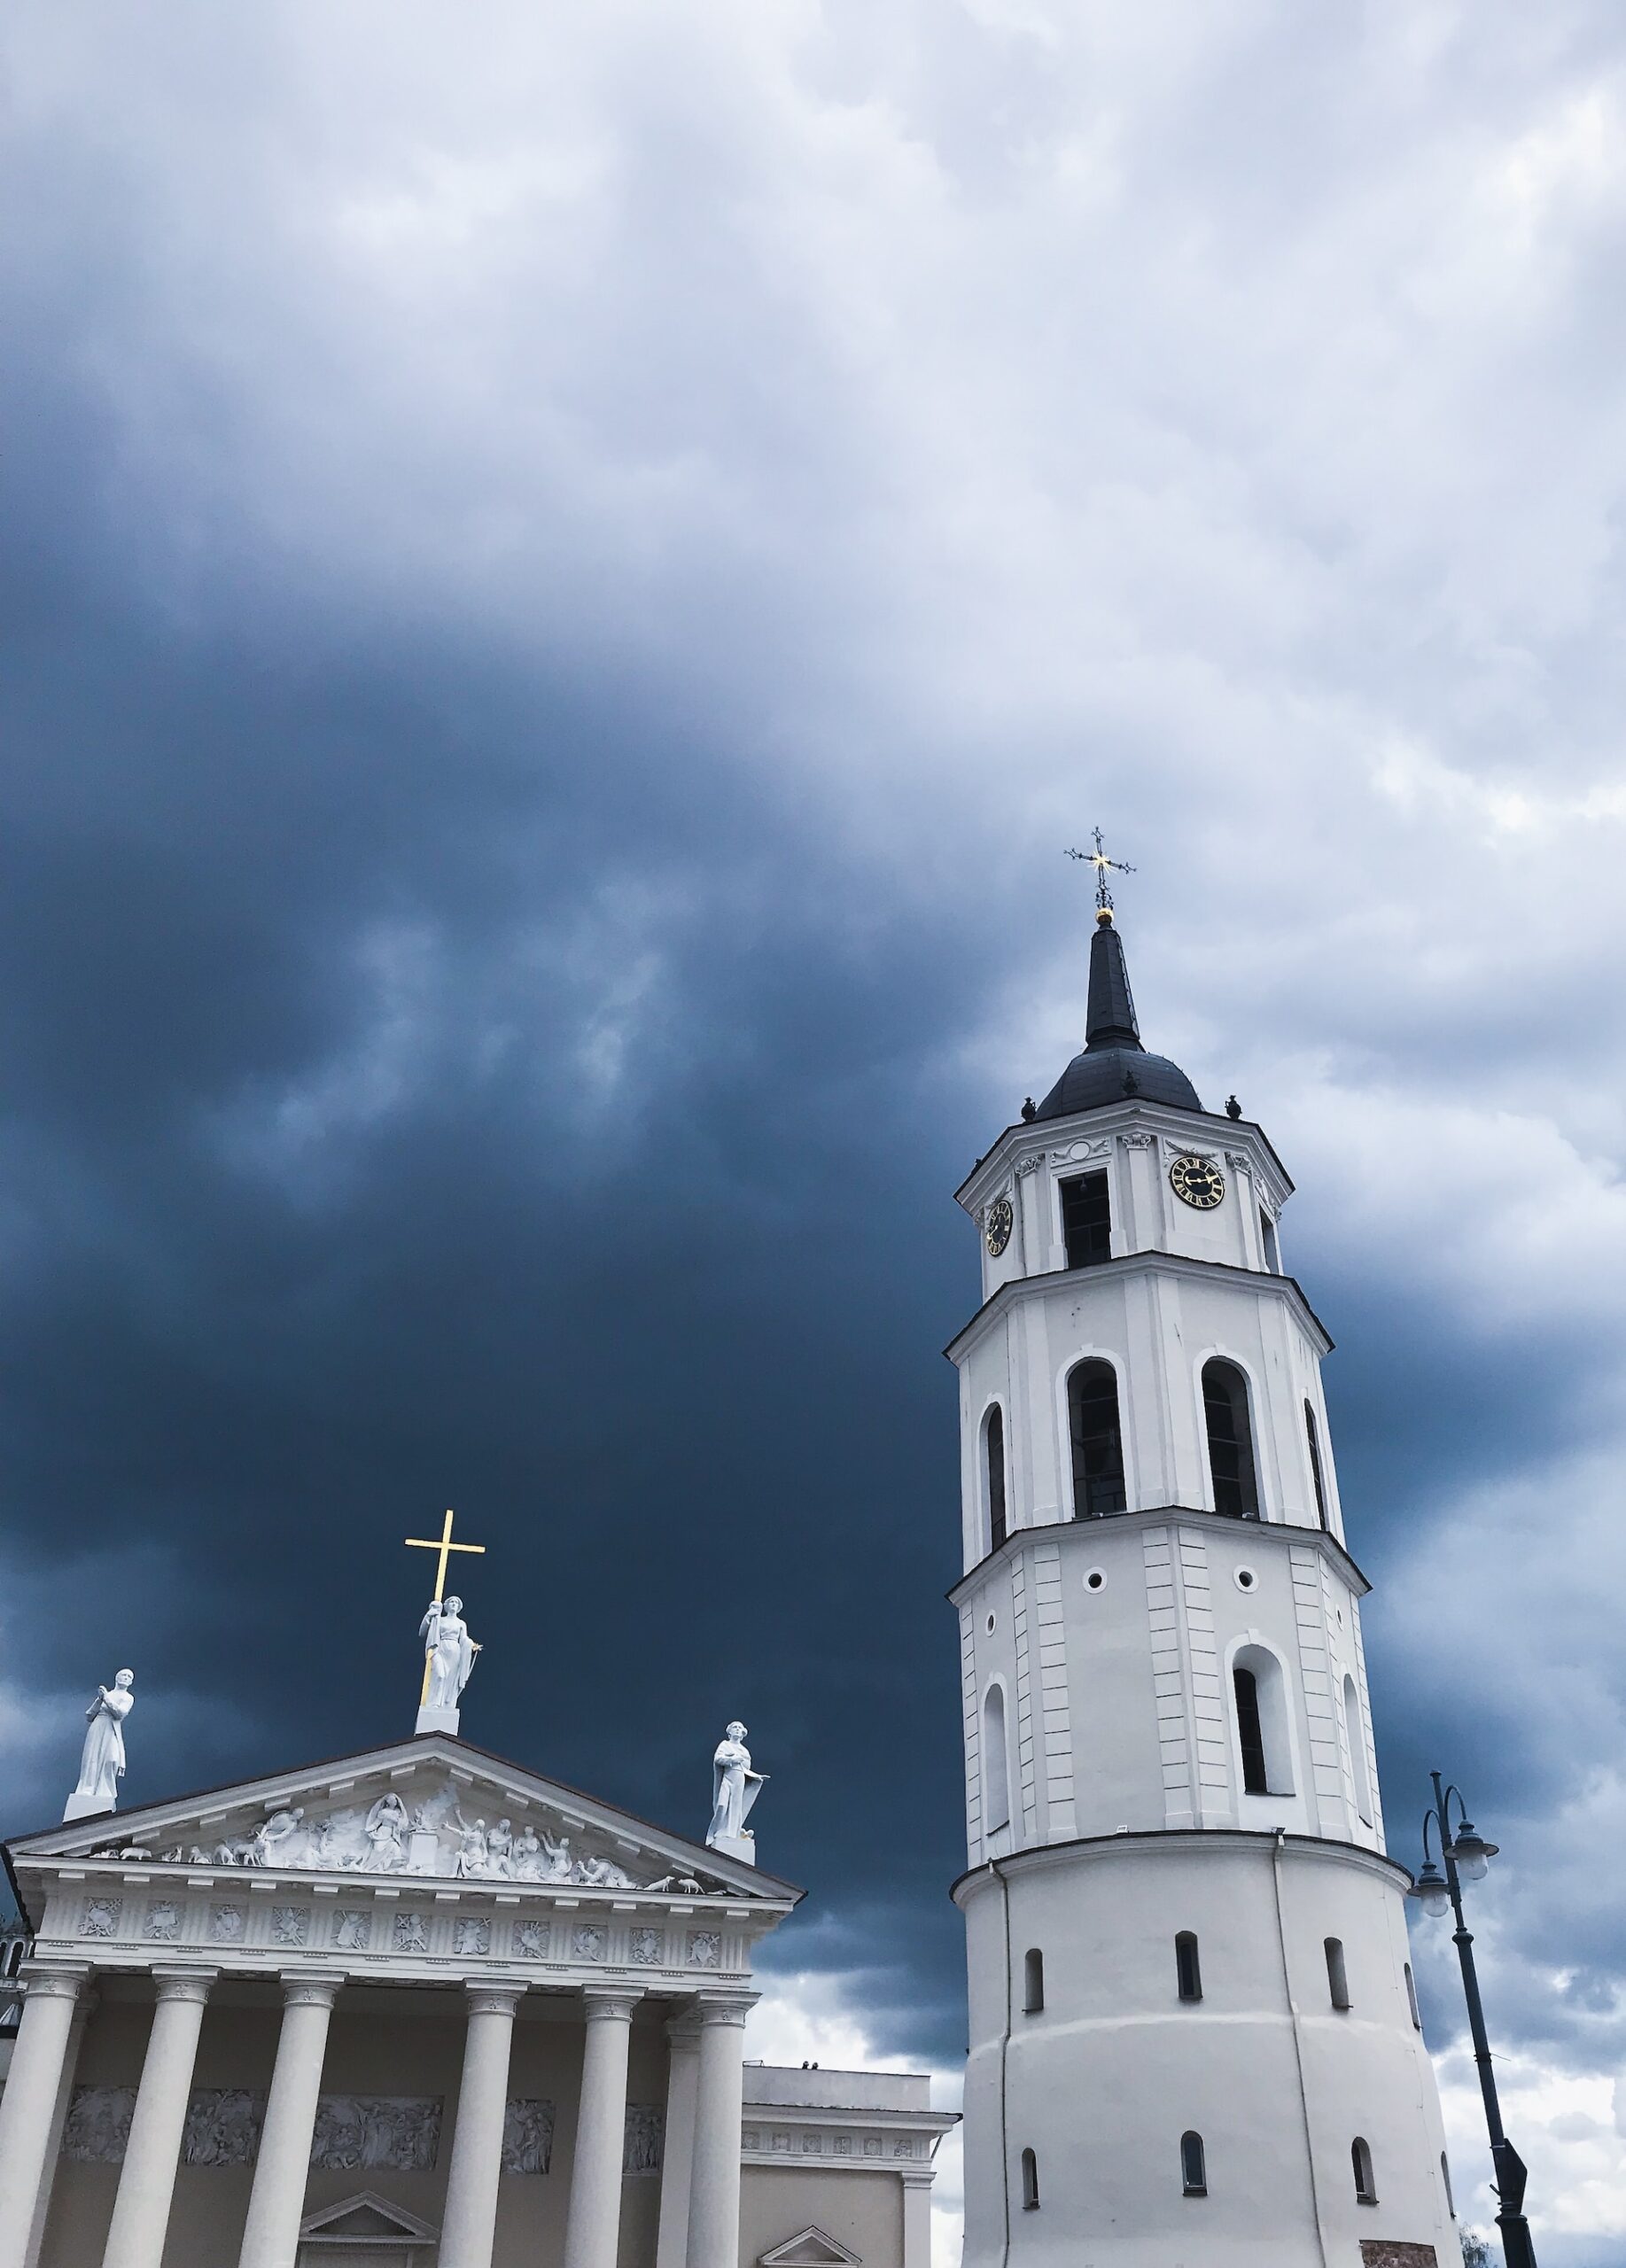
x=1028, y=1143
x=1287, y=1532
x=1284, y=1290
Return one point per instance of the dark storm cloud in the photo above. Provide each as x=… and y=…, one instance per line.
x=567, y=588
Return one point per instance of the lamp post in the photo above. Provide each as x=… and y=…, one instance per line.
x=1467, y=1857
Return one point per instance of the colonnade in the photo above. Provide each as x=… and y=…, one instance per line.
x=700, y=2181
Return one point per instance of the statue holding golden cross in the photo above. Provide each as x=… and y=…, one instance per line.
x=449, y=1651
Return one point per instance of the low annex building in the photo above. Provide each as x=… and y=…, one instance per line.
x=422, y=2008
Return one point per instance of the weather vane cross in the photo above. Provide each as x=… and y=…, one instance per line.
x=1103, y=866
x=444, y=1545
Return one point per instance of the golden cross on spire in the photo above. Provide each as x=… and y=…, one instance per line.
x=1103, y=866
x=444, y=1545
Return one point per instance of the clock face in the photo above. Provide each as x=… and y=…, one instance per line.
x=999, y=1219
x=1197, y=1181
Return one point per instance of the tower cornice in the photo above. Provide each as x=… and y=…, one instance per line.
x=1191, y=1129
x=1021, y=1288
x=1203, y=1842
x=1222, y=1523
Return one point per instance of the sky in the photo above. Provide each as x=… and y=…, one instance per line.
x=570, y=576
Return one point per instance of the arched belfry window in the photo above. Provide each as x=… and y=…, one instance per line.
x=1314, y=1441
x=1097, y=1438
x=1357, y=1733
x=993, y=1439
x=1263, y=1731
x=996, y=1763
x=1225, y=1409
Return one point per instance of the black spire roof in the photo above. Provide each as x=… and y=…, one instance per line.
x=1114, y=1065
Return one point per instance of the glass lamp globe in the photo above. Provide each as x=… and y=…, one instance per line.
x=1472, y=1852
x=1430, y=1891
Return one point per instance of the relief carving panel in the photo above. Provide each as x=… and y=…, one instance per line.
x=353, y=2132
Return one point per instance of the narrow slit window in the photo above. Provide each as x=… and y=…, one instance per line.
x=1097, y=1440
x=996, y=1763
x=1417, y=2014
x=1360, y=2158
x=1251, y=1732
x=1194, y=2166
x=1187, y=1969
x=1032, y=1982
x=1451, y=2202
x=1337, y=1974
x=994, y=1433
x=1087, y=1220
x=1030, y=2182
x=1230, y=1438
x=1313, y=1439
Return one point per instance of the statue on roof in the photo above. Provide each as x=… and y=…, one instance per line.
x=734, y=1788
x=101, y=1765
x=449, y=1654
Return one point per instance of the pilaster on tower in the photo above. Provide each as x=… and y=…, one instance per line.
x=1172, y=1807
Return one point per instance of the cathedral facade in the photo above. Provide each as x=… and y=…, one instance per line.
x=421, y=2007
x=1194, y=2033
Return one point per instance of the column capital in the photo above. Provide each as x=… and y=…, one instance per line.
x=493, y=1997
x=919, y=2177
x=180, y=1984
x=304, y=1988
x=683, y=2032
x=610, y=2003
x=724, y=2007
x=42, y=1981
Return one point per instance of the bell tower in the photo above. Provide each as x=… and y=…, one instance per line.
x=1193, y=2035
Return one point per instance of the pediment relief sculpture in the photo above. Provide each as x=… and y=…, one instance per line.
x=427, y=1826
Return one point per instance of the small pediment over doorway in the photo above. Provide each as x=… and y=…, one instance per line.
x=365, y=2232
x=812, y=2248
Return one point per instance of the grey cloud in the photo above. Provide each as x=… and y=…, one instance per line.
x=569, y=586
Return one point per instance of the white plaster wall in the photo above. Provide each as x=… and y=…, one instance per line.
x=1120, y=1711
x=1157, y=1325
x=1102, y=2083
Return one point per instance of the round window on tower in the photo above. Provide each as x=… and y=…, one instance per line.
x=1246, y=1580
x=988, y=1626
x=1096, y=1579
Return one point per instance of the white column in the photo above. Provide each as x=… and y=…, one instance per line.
x=469, y=2222
x=593, y=2222
x=276, y=2201
x=678, y=2154
x=714, y=2185
x=146, y=2182
x=84, y=2008
x=28, y=2105
x=917, y=2220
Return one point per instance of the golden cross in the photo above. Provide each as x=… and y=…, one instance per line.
x=443, y=1544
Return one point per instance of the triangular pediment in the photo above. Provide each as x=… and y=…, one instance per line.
x=366, y=2219
x=431, y=1806
x=814, y=2247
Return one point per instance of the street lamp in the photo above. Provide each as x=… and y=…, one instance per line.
x=1467, y=1857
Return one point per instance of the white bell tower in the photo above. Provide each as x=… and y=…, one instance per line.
x=1193, y=2036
